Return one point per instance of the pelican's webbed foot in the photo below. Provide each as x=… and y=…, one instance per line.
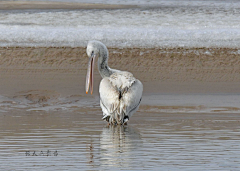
x=106, y=117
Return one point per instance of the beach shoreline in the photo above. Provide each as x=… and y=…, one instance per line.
x=63, y=69
x=44, y=5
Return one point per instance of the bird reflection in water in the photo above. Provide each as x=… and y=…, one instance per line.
x=118, y=145
x=91, y=155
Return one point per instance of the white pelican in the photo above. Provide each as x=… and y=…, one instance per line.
x=120, y=93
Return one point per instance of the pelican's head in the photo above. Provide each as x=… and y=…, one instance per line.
x=91, y=52
x=95, y=49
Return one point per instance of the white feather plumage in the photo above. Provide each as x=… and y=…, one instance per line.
x=120, y=93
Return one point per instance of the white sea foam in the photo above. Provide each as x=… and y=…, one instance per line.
x=170, y=24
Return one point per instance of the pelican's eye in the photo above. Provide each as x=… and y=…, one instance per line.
x=92, y=53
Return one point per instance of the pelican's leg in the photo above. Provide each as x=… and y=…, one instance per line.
x=110, y=120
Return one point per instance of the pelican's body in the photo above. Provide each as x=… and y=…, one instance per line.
x=120, y=93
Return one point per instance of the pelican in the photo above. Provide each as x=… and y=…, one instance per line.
x=120, y=93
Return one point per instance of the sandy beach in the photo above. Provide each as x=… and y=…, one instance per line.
x=161, y=70
x=24, y=5
x=49, y=77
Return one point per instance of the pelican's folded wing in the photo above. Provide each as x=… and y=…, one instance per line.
x=109, y=97
x=132, y=98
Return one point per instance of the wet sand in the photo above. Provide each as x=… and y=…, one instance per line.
x=178, y=71
x=48, y=75
x=26, y=5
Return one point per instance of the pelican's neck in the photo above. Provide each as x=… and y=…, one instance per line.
x=103, y=68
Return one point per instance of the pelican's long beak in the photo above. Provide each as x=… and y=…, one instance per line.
x=89, y=77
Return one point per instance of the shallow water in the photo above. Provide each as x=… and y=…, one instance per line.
x=51, y=101
x=81, y=140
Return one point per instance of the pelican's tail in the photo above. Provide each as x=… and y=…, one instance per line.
x=113, y=105
x=120, y=114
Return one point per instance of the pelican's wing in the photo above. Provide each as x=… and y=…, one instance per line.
x=132, y=97
x=109, y=97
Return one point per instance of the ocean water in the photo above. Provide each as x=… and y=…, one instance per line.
x=150, y=24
